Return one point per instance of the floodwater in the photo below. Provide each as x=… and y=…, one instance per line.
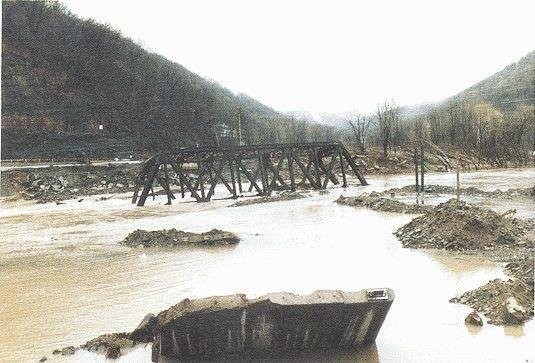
x=64, y=279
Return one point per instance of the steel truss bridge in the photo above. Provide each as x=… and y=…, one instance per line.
x=198, y=170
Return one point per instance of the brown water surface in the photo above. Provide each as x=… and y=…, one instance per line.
x=64, y=279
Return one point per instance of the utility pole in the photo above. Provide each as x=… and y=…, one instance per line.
x=240, y=139
x=458, y=186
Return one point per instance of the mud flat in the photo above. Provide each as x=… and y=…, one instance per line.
x=459, y=227
x=276, y=325
x=175, y=238
x=283, y=196
x=469, y=191
x=377, y=202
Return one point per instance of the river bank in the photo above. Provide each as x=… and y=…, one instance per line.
x=55, y=183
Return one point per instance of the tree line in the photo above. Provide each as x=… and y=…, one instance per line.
x=471, y=125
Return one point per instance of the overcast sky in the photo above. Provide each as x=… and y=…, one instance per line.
x=329, y=56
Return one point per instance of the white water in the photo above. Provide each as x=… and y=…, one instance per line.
x=64, y=279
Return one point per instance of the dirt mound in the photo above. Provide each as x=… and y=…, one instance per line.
x=376, y=202
x=502, y=302
x=456, y=225
x=286, y=195
x=174, y=238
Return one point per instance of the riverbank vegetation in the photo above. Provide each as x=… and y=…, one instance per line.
x=73, y=86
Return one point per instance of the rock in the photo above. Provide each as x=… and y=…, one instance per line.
x=473, y=319
x=44, y=358
x=56, y=351
x=514, y=313
x=113, y=352
x=70, y=350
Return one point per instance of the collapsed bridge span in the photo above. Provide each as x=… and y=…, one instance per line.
x=262, y=168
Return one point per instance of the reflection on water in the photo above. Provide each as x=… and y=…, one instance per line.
x=65, y=280
x=473, y=329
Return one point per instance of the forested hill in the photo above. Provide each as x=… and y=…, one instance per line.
x=63, y=77
x=513, y=85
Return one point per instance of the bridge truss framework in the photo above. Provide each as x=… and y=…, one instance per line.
x=198, y=170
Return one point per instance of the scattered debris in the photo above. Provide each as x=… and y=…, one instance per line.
x=376, y=202
x=112, y=345
x=57, y=183
x=283, y=196
x=455, y=225
x=173, y=238
x=473, y=319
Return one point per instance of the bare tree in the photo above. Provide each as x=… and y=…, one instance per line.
x=388, y=118
x=360, y=124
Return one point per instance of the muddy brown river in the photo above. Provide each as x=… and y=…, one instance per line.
x=65, y=280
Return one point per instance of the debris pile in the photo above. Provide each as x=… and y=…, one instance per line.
x=455, y=225
x=116, y=344
x=174, y=238
x=57, y=183
x=377, y=202
x=283, y=196
x=505, y=302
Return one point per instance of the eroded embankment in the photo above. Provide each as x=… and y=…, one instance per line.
x=57, y=183
x=458, y=226
x=174, y=238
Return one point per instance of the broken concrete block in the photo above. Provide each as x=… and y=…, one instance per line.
x=274, y=326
